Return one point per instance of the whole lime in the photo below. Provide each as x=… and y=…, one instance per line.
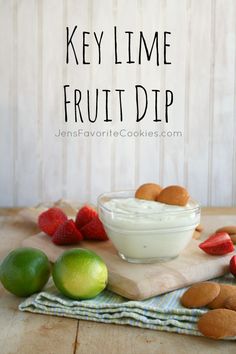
x=25, y=271
x=80, y=274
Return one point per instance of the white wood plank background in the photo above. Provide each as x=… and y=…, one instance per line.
x=36, y=166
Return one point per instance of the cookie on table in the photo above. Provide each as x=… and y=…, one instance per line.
x=226, y=291
x=230, y=303
x=196, y=235
x=230, y=229
x=200, y=294
x=199, y=228
x=218, y=324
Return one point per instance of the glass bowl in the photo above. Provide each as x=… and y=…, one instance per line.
x=147, y=231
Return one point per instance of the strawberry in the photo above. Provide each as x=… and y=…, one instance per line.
x=94, y=230
x=67, y=234
x=50, y=220
x=217, y=244
x=232, y=266
x=84, y=216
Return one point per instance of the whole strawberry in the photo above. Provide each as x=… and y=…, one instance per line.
x=50, y=220
x=67, y=234
x=94, y=230
x=232, y=266
x=84, y=216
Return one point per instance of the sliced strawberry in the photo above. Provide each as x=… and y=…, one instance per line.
x=94, y=230
x=84, y=216
x=217, y=244
x=67, y=234
x=232, y=266
x=50, y=220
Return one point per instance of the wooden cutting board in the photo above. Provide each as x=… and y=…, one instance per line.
x=141, y=281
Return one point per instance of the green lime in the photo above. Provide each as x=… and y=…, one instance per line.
x=25, y=271
x=80, y=274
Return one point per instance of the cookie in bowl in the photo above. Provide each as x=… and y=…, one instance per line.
x=146, y=231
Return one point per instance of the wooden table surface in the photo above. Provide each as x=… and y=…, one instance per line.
x=25, y=333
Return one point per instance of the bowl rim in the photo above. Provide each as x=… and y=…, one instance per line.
x=174, y=212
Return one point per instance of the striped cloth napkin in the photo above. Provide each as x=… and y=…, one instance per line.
x=163, y=312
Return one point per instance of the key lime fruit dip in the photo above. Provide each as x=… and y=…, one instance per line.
x=145, y=231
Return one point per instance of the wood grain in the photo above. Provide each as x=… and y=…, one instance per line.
x=25, y=333
x=199, y=100
x=148, y=153
x=225, y=44
x=139, y=341
x=124, y=148
x=27, y=130
x=176, y=17
x=78, y=153
x=141, y=281
x=39, y=167
x=100, y=147
x=53, y=170
x=8, y=103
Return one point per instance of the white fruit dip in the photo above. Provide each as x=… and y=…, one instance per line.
x=146, y=231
